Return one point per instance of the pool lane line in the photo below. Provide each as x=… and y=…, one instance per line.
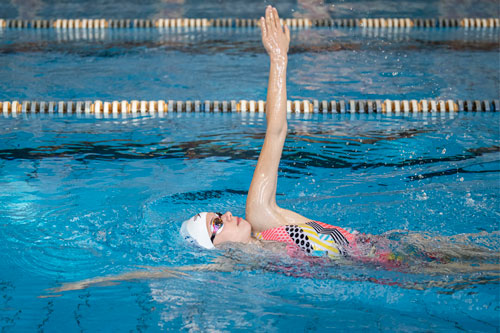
x=301, y=23
x=161, y=107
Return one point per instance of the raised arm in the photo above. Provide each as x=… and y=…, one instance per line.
x=261, y=209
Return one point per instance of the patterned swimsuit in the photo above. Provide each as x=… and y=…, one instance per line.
x=313, y=238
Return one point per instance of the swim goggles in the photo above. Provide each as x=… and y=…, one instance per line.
x=216, y=225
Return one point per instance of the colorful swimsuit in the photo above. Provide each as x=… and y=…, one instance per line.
x=313, y=238
x=325, y=240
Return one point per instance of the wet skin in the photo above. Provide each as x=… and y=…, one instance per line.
x=236, y=229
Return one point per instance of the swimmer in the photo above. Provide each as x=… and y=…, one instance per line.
x=265, y=220
x=268, y=226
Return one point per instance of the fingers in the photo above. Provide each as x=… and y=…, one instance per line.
x=272, y=31
x=269, y=22
x=273, y=23
x=287, y=32
x=276, y=19
x=263, y=27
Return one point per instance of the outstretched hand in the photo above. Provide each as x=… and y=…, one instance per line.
x=275, y=38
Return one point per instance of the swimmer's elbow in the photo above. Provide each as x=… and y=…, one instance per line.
x=277, y=129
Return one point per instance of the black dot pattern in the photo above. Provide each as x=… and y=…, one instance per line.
x=299, y=237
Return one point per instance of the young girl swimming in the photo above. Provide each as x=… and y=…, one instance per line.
x=265, y=220
x=266, y=223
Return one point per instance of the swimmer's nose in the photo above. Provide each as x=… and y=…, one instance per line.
x=228, y=216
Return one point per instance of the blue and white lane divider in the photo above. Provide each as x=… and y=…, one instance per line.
x=160, y=107
x=300, y=23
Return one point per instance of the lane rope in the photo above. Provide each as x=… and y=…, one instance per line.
x=161, y=107
x=490, y=22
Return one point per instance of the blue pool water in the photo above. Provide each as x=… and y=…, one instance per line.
x=231, y=64
x=84, y=197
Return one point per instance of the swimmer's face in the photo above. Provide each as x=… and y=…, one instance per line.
x=235, y=229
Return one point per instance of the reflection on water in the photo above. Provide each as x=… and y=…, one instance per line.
x=338, y=150
x=115, y=43
x=324, y=64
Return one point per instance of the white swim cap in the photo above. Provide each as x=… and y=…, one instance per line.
x=196, y=229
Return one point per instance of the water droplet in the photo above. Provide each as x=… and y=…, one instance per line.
x=422, y=197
